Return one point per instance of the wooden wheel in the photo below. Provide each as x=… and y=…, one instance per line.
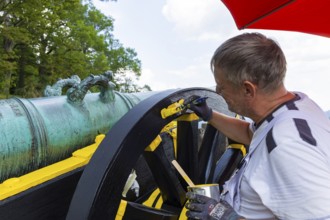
x=98, y=193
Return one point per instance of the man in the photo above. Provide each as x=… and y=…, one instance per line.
x=286, y=174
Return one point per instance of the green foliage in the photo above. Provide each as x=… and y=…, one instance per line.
x=46, y=40
x=126, y=83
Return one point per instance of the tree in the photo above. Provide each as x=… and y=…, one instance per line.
x=46, y=40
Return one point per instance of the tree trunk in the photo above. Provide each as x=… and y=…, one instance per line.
x=8, y=45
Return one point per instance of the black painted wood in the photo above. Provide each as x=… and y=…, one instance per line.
x=49, y=200
x=226, y=165
x=139, y=212
x=187, y=149
x=164, y=173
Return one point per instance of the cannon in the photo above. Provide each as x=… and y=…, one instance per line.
x=131, y=136
x=38, y=132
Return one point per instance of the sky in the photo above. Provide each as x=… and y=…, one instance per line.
x=175, y=40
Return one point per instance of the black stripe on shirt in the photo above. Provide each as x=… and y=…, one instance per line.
x=304, y=131
x=270, y=142
x=292, y=105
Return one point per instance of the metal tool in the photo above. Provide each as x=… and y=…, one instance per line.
x=197, y=101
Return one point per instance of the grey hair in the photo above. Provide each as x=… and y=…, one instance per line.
x=252, y=57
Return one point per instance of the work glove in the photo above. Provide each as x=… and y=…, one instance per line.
x=203, y=207
x=201, y=109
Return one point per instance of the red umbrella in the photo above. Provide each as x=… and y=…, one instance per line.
x=307, y=16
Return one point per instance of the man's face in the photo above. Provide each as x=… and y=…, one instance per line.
x=231, y=93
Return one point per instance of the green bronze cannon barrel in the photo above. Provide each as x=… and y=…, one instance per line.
x=40, y=131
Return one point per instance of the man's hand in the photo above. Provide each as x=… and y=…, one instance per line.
x=202, y=207
x=201, y=109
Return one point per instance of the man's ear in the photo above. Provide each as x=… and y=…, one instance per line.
x=250, y=89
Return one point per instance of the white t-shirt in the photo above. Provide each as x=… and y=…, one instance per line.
x=288, y=173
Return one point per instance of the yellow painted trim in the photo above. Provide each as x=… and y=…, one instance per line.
x=172, y=109
x=149, y=202
x=183, y=214
x=171, y=129
x=159, y=203
x=79, y=158
x=121, y=210
x=152, y=198
x=188, y=117
x=154, y=144
x=239, y=147
x=175, y=144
